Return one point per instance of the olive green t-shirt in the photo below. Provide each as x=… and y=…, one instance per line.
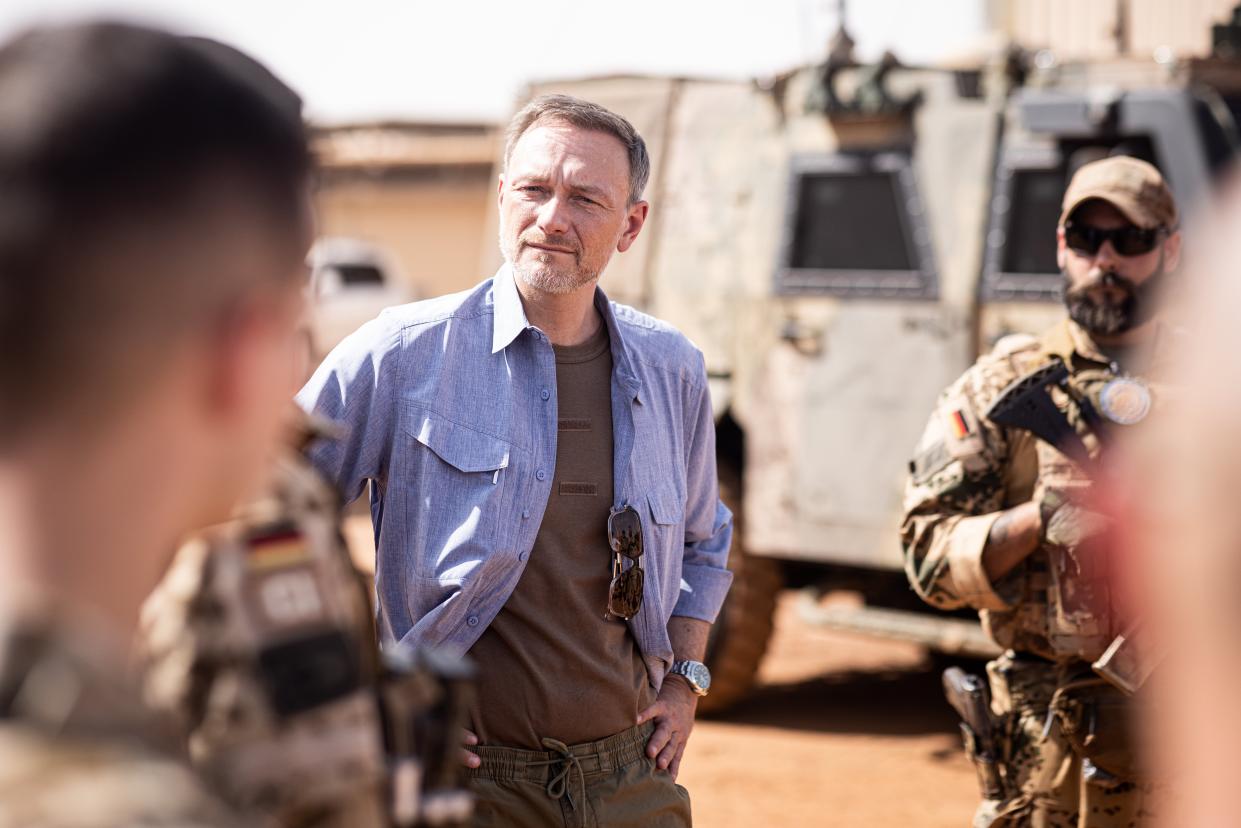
x=550, y=665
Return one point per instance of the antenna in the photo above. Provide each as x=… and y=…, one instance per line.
x=1120, y=32
x=840, y=48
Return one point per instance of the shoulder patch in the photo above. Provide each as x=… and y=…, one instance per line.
x=963, y=437
x=931, y=460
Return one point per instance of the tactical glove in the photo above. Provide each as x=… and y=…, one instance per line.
x=1066, y=523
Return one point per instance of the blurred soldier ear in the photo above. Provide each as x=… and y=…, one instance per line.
x=252, y=356
x=1061, y=248
x=1172, y=250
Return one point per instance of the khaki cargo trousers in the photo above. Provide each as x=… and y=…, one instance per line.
x=606, y=784
x=1069, y=752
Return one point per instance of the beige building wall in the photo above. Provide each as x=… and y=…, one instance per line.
x=422, y=191
x=1078, y=29
x=433, y=229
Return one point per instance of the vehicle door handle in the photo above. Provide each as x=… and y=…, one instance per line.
x=805, y=339
x=936, y=326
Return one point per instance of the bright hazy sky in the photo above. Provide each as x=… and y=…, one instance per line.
x=467, y=59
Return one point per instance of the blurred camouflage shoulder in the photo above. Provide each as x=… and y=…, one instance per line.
x=77, y=749
x=54, y=781
x=259, y=642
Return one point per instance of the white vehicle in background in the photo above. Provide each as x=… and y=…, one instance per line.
x=351, y=281
x=842, y=243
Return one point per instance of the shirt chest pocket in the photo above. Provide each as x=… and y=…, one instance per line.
x=667, y=509
x=456, y=495
x=666, y=546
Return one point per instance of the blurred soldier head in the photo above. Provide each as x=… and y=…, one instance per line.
x=154, y=222
x=1181, y=534
x=571, y=192
x=1118, y=235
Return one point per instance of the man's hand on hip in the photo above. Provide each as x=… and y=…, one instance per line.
x=468, y=757
x=673, y=713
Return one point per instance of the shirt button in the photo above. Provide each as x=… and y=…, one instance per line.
x=540, y=475
x=472, y=620
x=546, y=395
x=521, y=556
x=525, y=514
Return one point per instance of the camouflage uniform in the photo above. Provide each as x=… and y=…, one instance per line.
x=259, y=641
x=76, y=748
x=1068, y=758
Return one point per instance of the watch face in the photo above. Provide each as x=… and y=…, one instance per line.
x=699, y=675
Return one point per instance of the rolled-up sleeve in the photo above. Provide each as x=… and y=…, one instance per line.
x=705, y=577
x=355, y=387
x=950, y=572
x=954, y=496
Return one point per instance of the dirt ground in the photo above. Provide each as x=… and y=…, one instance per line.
x=842, y=731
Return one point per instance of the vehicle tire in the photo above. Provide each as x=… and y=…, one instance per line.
x=740, y=634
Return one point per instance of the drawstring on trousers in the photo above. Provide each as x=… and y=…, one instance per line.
x=558, y=784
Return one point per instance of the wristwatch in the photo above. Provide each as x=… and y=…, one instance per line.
x=695, y=673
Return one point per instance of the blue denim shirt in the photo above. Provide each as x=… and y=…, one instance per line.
x=450, y=411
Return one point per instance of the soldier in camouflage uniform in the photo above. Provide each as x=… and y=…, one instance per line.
x=154, y=223
x=76, y=748
x=1000, y=520
x=260, y=643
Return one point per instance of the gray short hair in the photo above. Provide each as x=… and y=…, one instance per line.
x=584, y=115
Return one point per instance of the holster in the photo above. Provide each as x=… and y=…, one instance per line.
x=970, y=696
x=986, y=765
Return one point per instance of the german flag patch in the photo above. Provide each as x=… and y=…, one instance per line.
x=958, y=425
x=962, y=435
x=276, y=547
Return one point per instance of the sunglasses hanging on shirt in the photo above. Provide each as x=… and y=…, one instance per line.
x=625, y=538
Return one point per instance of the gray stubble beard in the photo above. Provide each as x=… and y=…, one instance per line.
x=551, y=280
x=544, y=277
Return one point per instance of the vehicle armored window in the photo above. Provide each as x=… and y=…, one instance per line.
x=854, y=226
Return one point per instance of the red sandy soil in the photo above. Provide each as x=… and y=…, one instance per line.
x=841, y=731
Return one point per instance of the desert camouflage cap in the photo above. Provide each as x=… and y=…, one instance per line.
x=1130, y=185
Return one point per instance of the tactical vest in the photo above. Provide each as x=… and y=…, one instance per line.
x=1068, y=610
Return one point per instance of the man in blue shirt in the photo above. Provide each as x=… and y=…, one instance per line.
x=541, y=466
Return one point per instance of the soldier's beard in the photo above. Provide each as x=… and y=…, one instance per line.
x=1101, y=315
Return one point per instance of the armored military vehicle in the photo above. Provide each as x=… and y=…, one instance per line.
x=841, y=242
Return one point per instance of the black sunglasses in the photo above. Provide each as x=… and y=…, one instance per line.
x=1127, y=241
x=625, y=538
